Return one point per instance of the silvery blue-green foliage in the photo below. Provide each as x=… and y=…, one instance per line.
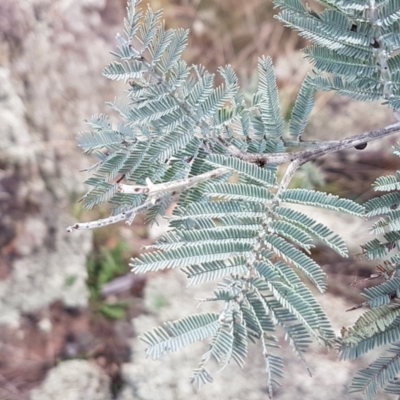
x=355, y=46
x=236, y=228
x=355, y=53
x=380, y=325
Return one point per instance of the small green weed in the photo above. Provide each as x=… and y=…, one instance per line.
x=103, y=266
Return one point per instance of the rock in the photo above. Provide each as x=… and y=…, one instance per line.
x=48, y=50
x=15, y=139
x=74, y=380
x=41, y=263
x=127, y=393
x=47, y=275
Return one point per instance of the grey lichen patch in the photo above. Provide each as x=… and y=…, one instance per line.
x=74, y=380
x=44, y=277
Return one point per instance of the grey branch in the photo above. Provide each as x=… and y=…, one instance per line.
x=289, y=173
x=129, y=215
x=155, y=194
x=174, y=187
x=321, y=148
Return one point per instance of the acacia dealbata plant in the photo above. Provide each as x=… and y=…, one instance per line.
x=181, y=139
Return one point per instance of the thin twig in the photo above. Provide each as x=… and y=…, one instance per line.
x=155, y=192
x=319, y=151
x=289, y=173
x=357, y=306
x=111, y=220
x=308, y=143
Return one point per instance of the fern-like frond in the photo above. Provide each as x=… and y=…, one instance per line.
x=382, y=294
x=201, y=376
x=368, y=90
x=291, y=232
x=269, y=106
x=383, y=204
x=215, y=270
x=101, y=193
x=124, y=70
x=331, y=29
x=274, y=368
x=159, y=209
x=131, y=22
x=180, y=333
x=149, y=28
x=378, y=374
x=221, y=209
x=111, y=167
x=299, y=301
x=158, y=47
x=233, y=233
x=390, y=222
x=376, y=248
x=165, y=148
x=256, y=315
x=152, y=112
x=184, y=256
x=376, y=327
x=215, y=101
x=302, y=109
x=201, y=90
x=313, y=228
x=221, y=345
x=348, y=5
x=173, y=53
x=299, y=338
x=323, y=200
x=389, y=13
x=294, y=256
x=328, y=61
x=90, y=141
x=252, y=171
x=244, y=192
x=239, y=346
x=387, y=183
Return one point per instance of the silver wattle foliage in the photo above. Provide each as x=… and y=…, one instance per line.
x=181, y=139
